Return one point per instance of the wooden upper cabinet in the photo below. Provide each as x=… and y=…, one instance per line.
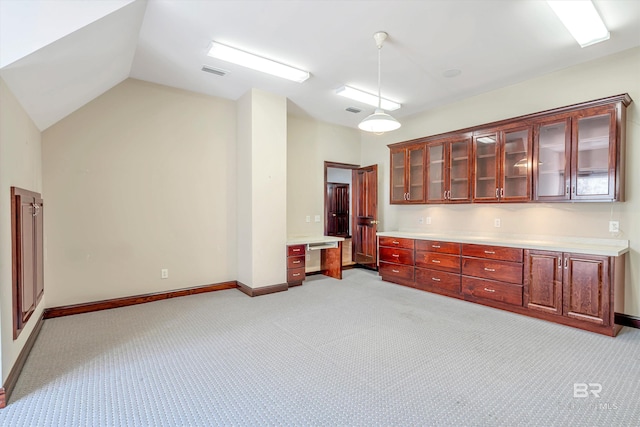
x=579, y=155
x=448, y=170
x=502, y=165
x=407, y=174
x=572, y=153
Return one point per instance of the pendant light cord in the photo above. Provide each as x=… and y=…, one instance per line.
x=379, y=96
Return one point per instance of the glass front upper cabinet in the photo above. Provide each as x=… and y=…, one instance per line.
x=552, y=160
x=407, y=175
x=486, y=149
x=515, y=177
x=448, y=171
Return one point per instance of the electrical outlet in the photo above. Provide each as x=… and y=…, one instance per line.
x=497, y=222
x=308, y=218
x=614, y=226
x=317, y=218
x=428, y=220
x=164, y=273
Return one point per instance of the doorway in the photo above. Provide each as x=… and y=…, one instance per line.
x=350, y=211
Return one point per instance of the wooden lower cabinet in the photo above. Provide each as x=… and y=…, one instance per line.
x=396, y=260
x=583, y=291
x=295, y=264
x=571, y=285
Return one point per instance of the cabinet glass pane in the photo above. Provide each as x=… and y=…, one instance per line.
x=486, y=184
x=436, y=172
x=416, y=174
x=516, y=163
x=592, y=172
x=459, y=170
x=397, y=177
x=552, y=160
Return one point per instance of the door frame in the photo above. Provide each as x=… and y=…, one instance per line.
x=334, y=165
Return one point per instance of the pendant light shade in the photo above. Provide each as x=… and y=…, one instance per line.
x=379, y=122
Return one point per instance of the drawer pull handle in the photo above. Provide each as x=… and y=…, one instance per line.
x=489, y=269
x=396, y=271
x=489, y=290
x=435, y=279
x=296, y=262
x=437, y=261
x=296, y=274
x=435, y=246
x=296, y=250
x=490, y=252
x=395, y=255
x=395, y=242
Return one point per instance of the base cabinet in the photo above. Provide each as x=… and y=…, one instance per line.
x=583, y=291
x=571, y=285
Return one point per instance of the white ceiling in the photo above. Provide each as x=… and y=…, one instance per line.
x=495, y=44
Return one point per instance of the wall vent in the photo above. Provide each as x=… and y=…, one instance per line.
x=216, y=71
x=354, y=110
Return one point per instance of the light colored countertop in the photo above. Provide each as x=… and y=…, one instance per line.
x=305, y=240
x=581, y=245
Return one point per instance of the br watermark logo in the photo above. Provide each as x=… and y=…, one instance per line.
x=584, y=390
x=589, y=395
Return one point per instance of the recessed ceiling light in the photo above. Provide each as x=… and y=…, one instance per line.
x=453, y=72
x=581, y=19
x=255, y=62
x=367, y=98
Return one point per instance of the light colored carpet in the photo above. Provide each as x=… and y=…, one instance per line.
x=353, y=352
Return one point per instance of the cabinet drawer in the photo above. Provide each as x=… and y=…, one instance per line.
x=492, y=252
x=433, y=280
x=399, y=256
x=295, y=250
x=295, y=261
x=295, y=275
x=438, y=261
x=389, y=272
x=395, y=242
x=510, y=272
x=492, y=290
x=436, y=246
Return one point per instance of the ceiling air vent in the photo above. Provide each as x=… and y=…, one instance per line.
x=216, y=71
x=353, y=110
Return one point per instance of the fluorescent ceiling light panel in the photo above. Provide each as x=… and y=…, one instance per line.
x=249, y=60
x=367, y=98
x=581, y=19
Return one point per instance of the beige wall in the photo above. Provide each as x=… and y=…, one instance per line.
x=597, y=79
x=140, y=179
x=20, y=166
x=310, y=144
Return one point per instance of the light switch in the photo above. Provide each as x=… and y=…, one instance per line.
x=308, y=218
x=317, y=218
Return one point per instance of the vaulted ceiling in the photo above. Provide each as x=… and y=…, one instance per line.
x=57, y=56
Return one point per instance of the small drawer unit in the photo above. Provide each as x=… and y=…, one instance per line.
x=438, y=267
x=397, y=258
x=295, y=264
x=492, y=274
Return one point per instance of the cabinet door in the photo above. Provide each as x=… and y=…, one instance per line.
x=594, y=155
x=543, y=281
x=459, y=185
x=415, y=159
x=551, y=163
x=515, y=183
x=398, y=176
x=586, y=288
x=436, y=173
x=486, y=167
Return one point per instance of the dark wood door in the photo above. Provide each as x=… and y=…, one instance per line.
x=543, y=281
x=27, y=273
x=586, y=288
x=365, y=215
x=337, y=209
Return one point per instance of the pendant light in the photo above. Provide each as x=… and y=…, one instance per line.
x=379, y=122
